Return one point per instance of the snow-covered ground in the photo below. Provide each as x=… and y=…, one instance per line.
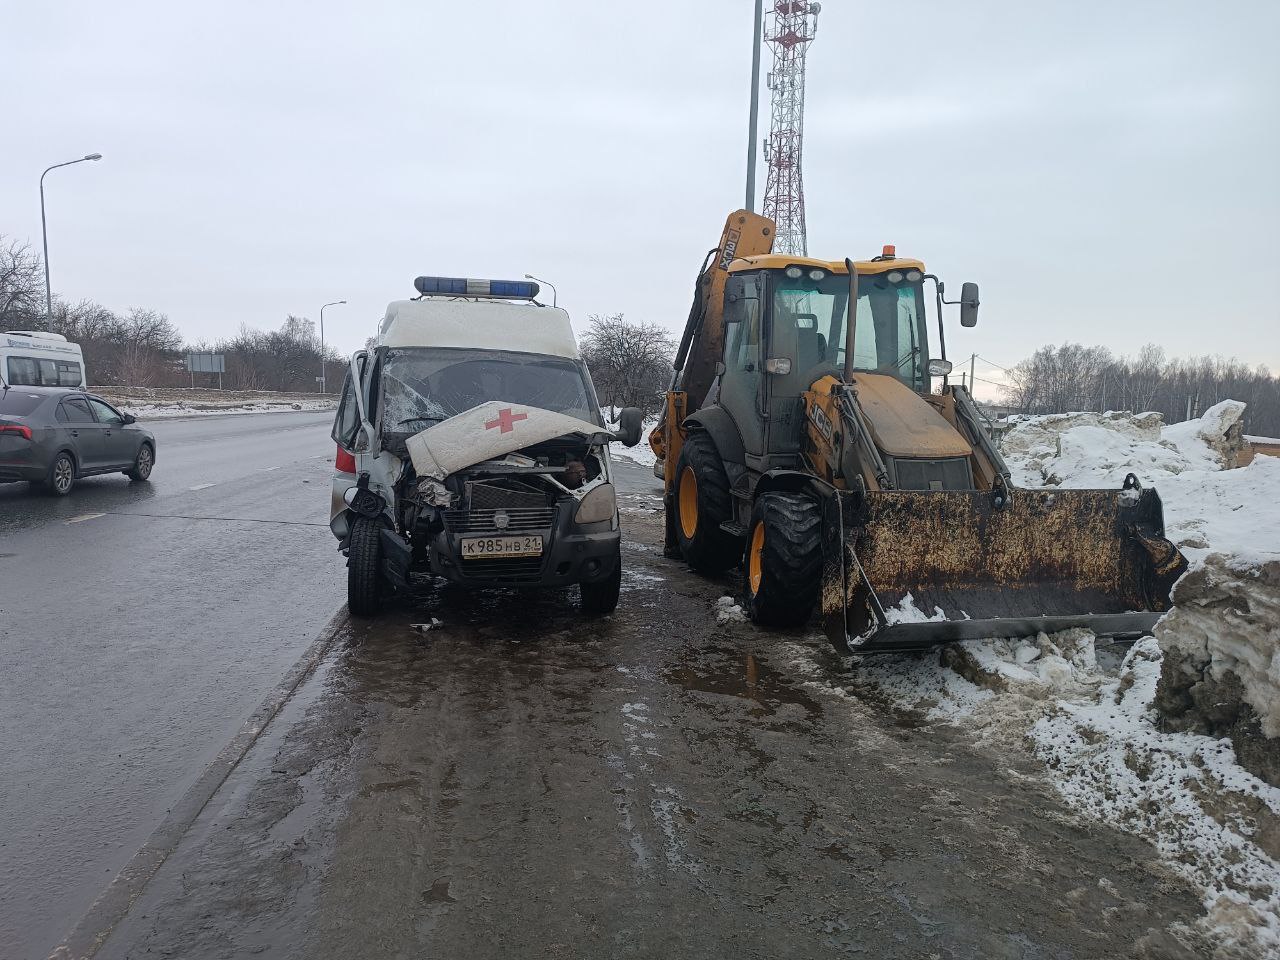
x=171, y=402
x=163, y=411
x=1088, y=714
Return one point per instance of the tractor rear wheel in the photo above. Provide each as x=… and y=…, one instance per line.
x=702, y=503
x=782, y=562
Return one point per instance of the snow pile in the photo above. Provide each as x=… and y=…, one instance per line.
x=729, y=611
x=1222, y=658
x=1215, y=824
x=1047, y=664
x=1099, y=449
x=1220, y=431
x=986, y=682
x=1207, y=508
x=907, y=612
x=1031, y=439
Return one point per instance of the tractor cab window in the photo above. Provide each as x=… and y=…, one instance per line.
x=809, y=318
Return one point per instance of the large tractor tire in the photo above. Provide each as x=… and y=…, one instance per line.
x=702, y=503
x=364, y=568
x=782, y=562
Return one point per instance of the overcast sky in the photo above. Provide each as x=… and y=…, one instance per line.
x=1106, y=171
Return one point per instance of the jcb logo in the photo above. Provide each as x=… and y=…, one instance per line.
x=820, y=420
x=730, y=248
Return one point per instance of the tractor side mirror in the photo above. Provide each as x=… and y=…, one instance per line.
x=630, y=424
x=969, y=305
x=741, y=296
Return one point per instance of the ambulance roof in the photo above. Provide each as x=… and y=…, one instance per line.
x=478, y=325
x=38, y=343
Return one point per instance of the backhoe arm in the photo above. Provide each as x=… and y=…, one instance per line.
x=745, y=234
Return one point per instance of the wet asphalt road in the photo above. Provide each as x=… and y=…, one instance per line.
x=139, y=625
x=521, y=782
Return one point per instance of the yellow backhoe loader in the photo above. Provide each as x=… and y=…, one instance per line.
x=809, y=445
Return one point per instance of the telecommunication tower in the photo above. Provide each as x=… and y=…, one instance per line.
x=789, y=28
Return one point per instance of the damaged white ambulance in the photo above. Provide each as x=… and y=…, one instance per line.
x=471, y=447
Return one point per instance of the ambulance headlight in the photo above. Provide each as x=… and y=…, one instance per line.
x=598, y=506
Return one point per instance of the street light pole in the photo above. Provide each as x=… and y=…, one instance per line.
x=322, y=354
x=753, y=121
x=530, y=276
x=44, y=231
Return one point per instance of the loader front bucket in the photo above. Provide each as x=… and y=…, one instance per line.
x=906, y=570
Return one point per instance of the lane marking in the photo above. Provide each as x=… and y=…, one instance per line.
x=185, y=516
x=83, y=517
x=112, y=905
x=269, y=469
x=202, y=486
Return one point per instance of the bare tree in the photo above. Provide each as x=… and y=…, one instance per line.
x=630, y=362
x=21, y=286
x=284, y=359
x=1071, y=377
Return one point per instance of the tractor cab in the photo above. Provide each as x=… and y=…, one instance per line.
x=786, y=329
x=806, y=309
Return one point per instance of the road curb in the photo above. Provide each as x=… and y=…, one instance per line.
x=112, y=905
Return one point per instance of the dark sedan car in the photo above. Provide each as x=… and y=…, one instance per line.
x=52, y=436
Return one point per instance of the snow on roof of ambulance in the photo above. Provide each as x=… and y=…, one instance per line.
x=478, y=325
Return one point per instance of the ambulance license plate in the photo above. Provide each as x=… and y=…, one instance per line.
x=474, y=548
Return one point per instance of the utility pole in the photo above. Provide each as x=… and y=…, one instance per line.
x=44, y=231
x=753, y=123
x=972, y=358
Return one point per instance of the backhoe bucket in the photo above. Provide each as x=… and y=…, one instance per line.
x=906, y=570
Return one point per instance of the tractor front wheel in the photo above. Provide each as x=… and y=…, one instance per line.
x=782, y=563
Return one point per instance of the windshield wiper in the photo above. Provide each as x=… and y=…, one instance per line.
x=909, y=355
x=416, y=419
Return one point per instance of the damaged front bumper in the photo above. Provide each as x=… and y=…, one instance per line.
x=571, y=554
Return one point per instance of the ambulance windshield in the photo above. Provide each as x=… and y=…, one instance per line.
x=425, y=385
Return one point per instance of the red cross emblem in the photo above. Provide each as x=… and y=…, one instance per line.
x=506, y=421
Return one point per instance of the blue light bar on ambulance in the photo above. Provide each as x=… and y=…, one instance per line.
x=461, y=287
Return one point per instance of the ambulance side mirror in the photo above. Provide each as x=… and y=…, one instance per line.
x=630, y=425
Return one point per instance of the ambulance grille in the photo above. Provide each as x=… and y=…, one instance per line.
x=518, y=520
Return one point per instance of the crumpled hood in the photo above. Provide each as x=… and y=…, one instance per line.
x=485, y=432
